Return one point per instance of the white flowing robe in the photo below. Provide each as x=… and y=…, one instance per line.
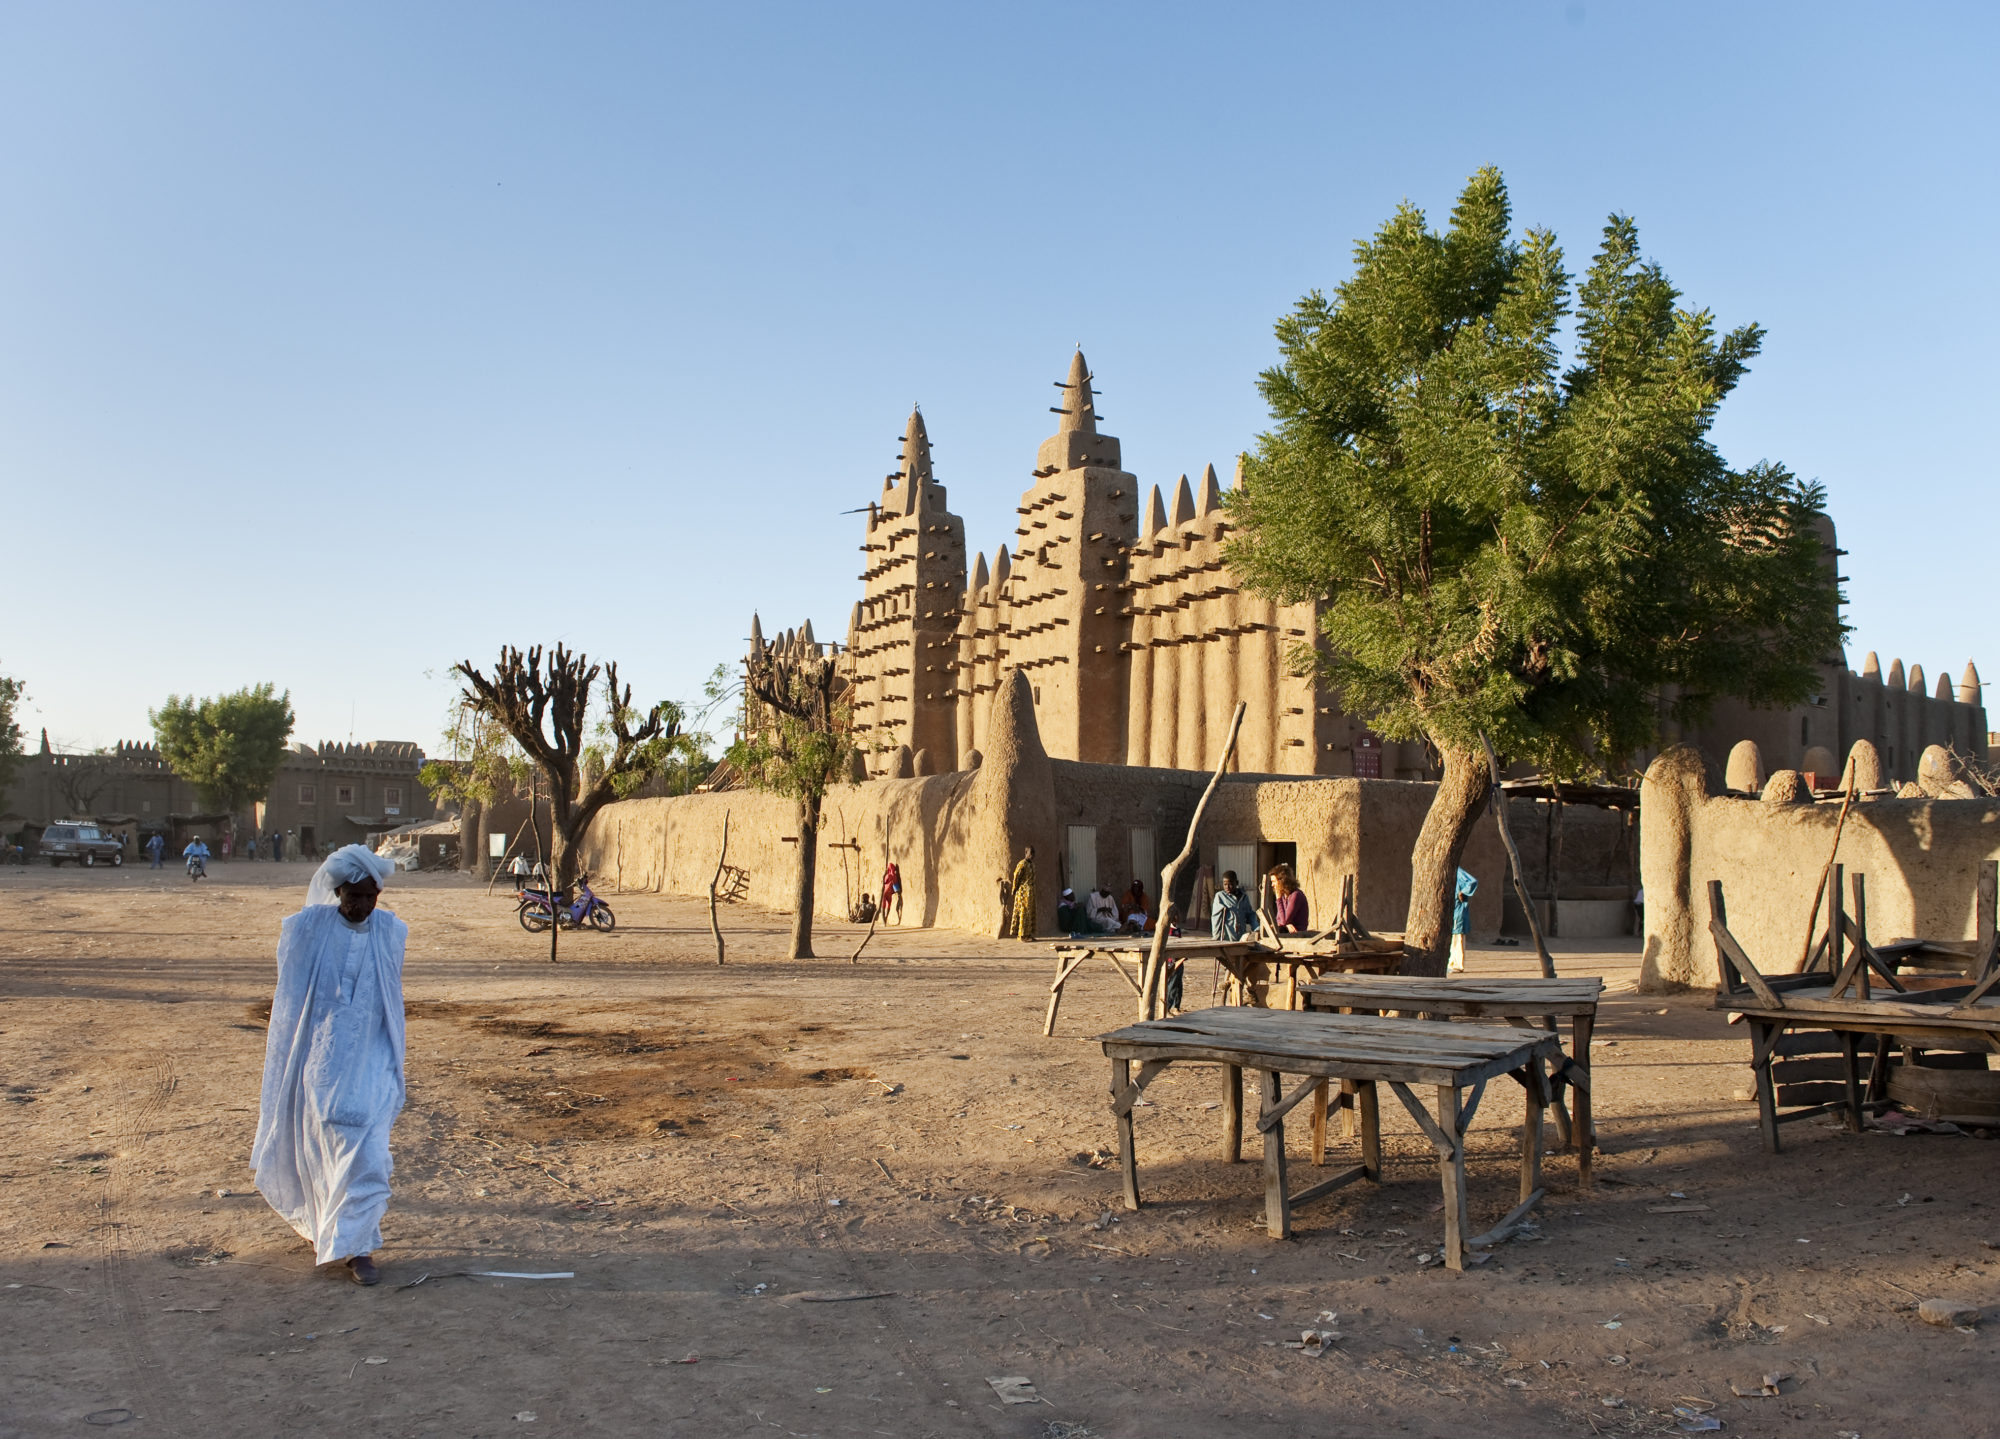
x=333, y=1078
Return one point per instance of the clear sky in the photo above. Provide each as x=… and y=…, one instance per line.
x=340, y=342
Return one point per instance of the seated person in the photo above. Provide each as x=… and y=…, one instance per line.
x=1138, y=914
x=1289, y=917
x=1100, y=911
x=1066, y=912
x=1232, y=917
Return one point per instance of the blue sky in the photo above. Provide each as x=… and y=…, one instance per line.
x=338, y=343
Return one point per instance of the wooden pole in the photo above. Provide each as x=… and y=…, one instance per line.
x=1514, y=861
x=1149, y=982
x=714, y=922
x=1812, y=919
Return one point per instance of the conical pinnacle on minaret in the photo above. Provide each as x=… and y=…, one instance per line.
x=1916, y=679
x=756, y=634
x=980, y=574
x=1968, y=685
x=1944, y=690
x=1183, y=502
x=1079, y=408
x=1003, y=565
x=1156, y=516
x=1211, y=494
x=806, y=633
x=916, y=461
x=1871, y=666
x=1896, y=673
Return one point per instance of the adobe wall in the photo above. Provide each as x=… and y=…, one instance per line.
x=1921, y=857
x=951, y=835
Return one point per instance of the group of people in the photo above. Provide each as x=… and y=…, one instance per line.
x=1101, y=912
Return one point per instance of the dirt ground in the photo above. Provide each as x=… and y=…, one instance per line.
x=719, y=1155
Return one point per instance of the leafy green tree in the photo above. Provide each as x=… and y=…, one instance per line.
x=1504, y=549
x=228, y=747
x=797, y=736
x=12, y=692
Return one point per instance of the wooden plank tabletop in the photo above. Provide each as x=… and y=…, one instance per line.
x=1348, y=1046
x=1525, y=997
x=1884, y=1007
x=1179, y=948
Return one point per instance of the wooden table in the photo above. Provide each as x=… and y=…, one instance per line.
x=1127, y=954
x=1240, y=959
x=1928, y=1012
x=1253, y=977
x=1361, y=1049
x=1528, y=1003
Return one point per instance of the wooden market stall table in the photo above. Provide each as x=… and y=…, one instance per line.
x=1363, y=1050
x=1240, y=959
x=1920, y=1012
x=1524, y=1003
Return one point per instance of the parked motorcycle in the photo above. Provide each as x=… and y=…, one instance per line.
x=586, y=909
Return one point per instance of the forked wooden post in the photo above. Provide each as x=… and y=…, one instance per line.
x=1986, y=937
x=1150, y=980
x=1514, y=861
x=714, y=922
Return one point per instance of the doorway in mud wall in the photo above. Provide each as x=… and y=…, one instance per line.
x=306, y=849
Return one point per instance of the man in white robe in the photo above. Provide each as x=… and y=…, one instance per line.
x=333, y=1064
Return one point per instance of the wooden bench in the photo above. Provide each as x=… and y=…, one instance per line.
x=1524, y=1003
x=1127, y=955
x=1359, y=1049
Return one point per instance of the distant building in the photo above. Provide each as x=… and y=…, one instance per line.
x=322, y=798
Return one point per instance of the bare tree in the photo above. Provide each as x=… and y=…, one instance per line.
x=547, y=712
x=80, y=779
x=797, y=736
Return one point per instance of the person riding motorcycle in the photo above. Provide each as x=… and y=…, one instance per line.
x=196, y=855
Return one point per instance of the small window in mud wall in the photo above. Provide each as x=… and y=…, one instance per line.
x=1081, y=875
x=343, y=795
x=308, y=794
x=1368, y=757
x=392, y=796
x=1143, y=866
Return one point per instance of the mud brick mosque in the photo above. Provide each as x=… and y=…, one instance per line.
x=1113, y=599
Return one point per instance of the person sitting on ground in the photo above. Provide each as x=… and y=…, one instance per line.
x=333, y=1064
x=1101, y=911
x=1138, y=914
x=1232, y=917
x=1066, y=915
x=1461, y=920
x=1289, y=915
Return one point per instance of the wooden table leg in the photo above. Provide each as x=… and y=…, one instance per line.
x=1581, y=1128
x=1850, y=1062
x=1763, y=1046
x=1371, y=1127
x=1277, y=1205
x=1128, y=1157
x=1878, y=1072
x=1348, y=1121
x=1531, y=1129
x=1232, y=1114
x=1452, y=1170
x=1319, y=1102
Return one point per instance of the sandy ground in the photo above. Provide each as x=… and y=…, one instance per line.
x=708, y=1149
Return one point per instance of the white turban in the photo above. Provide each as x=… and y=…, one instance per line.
x=348, y=865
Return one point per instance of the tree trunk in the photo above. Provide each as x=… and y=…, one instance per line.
x=472, y=831
x=802, y=898
x=1461, y=796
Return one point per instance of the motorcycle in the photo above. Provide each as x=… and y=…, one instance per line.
x=535, y=909
x=197, y=868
